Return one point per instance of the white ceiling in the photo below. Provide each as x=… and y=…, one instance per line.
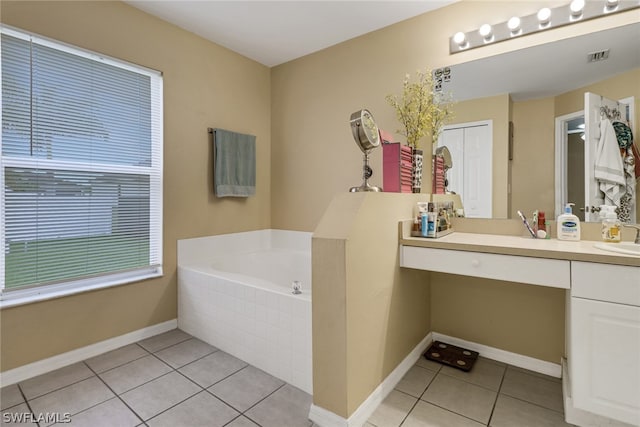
x=274, y=32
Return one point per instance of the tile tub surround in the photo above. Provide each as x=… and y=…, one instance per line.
x=238, y=395
x=240, y=312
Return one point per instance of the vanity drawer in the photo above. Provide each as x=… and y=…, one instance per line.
x=535, y=271
x=604, y=282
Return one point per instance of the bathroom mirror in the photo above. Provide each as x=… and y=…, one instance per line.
x=541, y=74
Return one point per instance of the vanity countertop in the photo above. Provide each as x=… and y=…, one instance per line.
x=582, y=250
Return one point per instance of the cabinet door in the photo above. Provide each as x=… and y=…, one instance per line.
x=605, y=359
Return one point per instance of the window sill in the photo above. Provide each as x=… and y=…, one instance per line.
x=42, y=293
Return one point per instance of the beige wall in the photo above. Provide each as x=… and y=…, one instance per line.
x=205, y=85
x=522, y=319
x=368, y=314
x=533, y=168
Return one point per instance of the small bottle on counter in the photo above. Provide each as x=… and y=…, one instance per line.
x=424, y=224
x=611, y=227
x=568, y=225
x=417, y=222
x=431, y=221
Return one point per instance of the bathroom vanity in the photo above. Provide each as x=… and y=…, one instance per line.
x=601, y=374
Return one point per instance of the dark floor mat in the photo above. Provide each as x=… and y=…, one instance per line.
x=450, y=355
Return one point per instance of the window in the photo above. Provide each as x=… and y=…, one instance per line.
x=80, y=170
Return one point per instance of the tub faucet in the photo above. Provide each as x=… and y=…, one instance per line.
x=637, y=240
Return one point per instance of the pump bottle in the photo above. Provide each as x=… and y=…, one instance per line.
x=568, y=225
x=611, y=226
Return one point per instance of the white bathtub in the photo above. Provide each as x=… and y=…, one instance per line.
x=235, y=293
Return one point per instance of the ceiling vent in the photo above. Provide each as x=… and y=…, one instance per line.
x=600, y=55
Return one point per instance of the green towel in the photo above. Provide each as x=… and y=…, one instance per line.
x=234, y=171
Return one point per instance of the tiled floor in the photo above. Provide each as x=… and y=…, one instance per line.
x=171, y=379
x=491, y=394
x=176, y=380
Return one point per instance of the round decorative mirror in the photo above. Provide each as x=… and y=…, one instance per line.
x=367, y=136
x=364, y=130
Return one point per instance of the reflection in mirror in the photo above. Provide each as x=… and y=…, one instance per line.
x=467, y=148
x=531, y=88
x=575, y=162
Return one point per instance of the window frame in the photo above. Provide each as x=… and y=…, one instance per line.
x=28, y=294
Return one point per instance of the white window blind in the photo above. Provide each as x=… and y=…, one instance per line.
x=81, y=167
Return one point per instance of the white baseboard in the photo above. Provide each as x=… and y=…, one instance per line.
x=324, y=418
x=525, y=362
x=43, y=366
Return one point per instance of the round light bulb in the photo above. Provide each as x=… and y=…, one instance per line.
x=612, y=4
x=514, y=24
x=576, y=7
x=459, y=38
x=485, y=31
x=544, y=15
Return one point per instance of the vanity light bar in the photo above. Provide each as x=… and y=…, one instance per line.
x=545, y=18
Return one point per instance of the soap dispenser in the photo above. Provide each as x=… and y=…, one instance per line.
x=611, y=226
x=568, y=225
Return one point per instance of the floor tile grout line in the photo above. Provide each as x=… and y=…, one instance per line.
x=75, y=382
x=449, y=410
x=232, y=420
x=495, y=402
x=59, y=388
x=409, y=412
x=26, y=402
x=146, y=382
x=535, y=374
x=229, y=404
x=182, y=342
x=205, y=388
x=532, y=403
x=116, y=395
x=419, y=397
x=260, y=401
x=174, y=405
x=179, y=373
x=257, y=403
x=186, y=364
x=472, y=383
x=455, y=413
x=122, y=364
x=202, y=389
x=522, y=371
x=170, y=345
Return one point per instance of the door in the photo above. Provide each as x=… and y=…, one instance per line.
x=593, y=103
x=471, y=148
x=605, y=359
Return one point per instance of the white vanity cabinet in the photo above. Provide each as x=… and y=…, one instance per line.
x=601, y=380
x=604, y=340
